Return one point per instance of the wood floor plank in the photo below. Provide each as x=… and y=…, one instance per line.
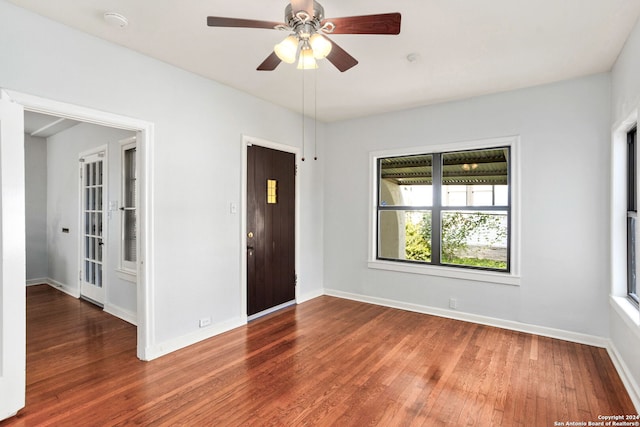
x=326, y=362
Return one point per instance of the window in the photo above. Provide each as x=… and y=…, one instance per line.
x=128, y=209
x=632, y=214
x=449, y=208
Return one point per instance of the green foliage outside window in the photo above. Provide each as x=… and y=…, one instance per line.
x=416, y=247
x=457, y=229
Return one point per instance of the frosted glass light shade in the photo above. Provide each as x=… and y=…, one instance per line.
x=287, y=49
x=320, y=45
x=307, y=61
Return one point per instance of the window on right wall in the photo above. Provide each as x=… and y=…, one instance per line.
x=632, y=214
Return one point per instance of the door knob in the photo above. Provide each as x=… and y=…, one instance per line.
x=250, y=234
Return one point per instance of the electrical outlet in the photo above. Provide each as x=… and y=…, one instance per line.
x=453, y=303
x=205, y=321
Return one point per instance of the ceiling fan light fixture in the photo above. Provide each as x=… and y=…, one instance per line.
x=320, y=45
x=303, y=19
x=287, y=49
x=307, y=61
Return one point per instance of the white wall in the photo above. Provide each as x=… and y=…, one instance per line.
x=35, y=156
x=625, y=84
x=564, y=131
x=62, y=210
x=625, y=332
x=197, y=158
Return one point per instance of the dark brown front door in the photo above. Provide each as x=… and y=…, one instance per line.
x=270, y=228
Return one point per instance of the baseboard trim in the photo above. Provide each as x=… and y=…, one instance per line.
x=623, y=371
x=474, y=318
x=169, y=346
x=113, y=310
x=308, y=296
x=628, y=380
x=40, y=281
x=63, y=287
x=121, y=313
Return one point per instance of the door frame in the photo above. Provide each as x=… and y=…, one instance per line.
x=246, y=142
x=12, y=259
x=145, y=134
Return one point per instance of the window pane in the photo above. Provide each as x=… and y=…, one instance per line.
x=406, y=181
x=481, y=195
x=632, y=196
x=501, y=195
x=130, y=232
x=130, y=177
x=129, y=219
x=454, y=195
x=476, y=239
x=475, y=178
x=631, y=255
x=405, y=235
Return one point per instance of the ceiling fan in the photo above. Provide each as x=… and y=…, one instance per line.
x=305, y=21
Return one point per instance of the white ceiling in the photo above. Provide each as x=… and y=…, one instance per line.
x=44, y=125
x=465, y=47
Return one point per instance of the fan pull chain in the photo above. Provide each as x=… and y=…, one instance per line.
x=315, y=114
x=303, y=115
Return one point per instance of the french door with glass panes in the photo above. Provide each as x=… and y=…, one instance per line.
x=93, y=194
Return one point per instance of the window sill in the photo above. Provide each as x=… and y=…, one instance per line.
x=127, y=275
x=627, y=311
x=451, y=272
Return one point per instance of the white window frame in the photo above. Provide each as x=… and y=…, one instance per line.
x=129, y=268
x=507, y=278
x=619, y=299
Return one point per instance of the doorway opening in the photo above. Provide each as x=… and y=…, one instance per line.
x=143, y=132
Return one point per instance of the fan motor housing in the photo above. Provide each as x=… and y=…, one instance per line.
x=297, y=17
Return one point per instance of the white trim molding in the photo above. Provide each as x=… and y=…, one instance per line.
x=451, y=272
x=621, y=367
x=512, y=277
x=625, y=375
x=195, y=337
x=475, y=318
x=112, y=309
x=308, y=296
x=62, y=287
x=145, y=138
x=618, y=204
x=121, y=313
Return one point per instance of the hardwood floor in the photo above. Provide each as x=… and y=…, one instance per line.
x=325, y=362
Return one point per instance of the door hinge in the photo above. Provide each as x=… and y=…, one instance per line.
x=295, y=280
x=296, y=173
x=80, y=275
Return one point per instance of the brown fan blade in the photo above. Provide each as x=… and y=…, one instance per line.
x=306, y=5
x=386, y=23
x=270, y=63
x=219, y=21
x=340, y=58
